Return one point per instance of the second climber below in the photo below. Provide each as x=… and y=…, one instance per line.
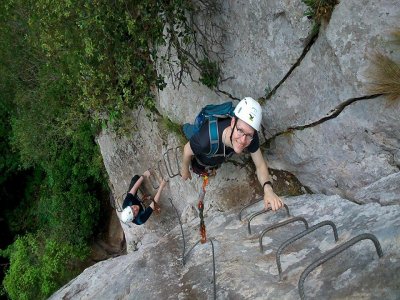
x=236, y=135
x=133, y=207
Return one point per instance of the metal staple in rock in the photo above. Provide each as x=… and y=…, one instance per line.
x=280, y=224
x=164, y=166
x=298, y=236
x=247, y=206
x=332, y=253
x=263, y=212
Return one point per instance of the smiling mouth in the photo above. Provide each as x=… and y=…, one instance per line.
x=241, y=145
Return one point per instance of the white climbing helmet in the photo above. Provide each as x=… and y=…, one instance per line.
x=127, y=215
x=249, y=111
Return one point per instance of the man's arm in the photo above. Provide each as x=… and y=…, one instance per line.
x=139, y=182
x=187, y=157
x=158, y=194
x=270, y=198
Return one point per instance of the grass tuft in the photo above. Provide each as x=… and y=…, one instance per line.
x=384, y=74
x=172, y=127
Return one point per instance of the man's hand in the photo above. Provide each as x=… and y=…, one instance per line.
x=185, y=173
x=163, y=184
x=271, y=199
x=146, y=174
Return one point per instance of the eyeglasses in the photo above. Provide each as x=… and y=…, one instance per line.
x=241, y=133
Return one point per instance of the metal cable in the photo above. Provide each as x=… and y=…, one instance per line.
x=183, y=235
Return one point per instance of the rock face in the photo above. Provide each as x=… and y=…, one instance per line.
x=243, y=272
x=364, y=139
x=322, y=101
x=320, y=125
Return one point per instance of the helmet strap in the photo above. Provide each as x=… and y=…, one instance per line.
x=234, y=125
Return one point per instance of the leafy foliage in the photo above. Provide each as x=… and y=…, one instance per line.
x=210, y=73
x=40, y=265
x=66, y=69
x=9, y=161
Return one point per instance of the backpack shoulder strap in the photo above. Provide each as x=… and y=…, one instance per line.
x=214, y=135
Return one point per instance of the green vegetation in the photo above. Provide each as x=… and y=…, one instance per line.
x=384, y=75
x=170, y=126
x=67, y=70
x=318, y=11
x=209, y=73
x=40, y=265
x=267, y=93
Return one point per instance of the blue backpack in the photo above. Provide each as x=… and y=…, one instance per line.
x=210, y=113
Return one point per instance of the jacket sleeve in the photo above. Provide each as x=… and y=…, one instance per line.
x=143, y=216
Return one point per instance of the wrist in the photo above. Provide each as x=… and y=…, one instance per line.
x=267, y=184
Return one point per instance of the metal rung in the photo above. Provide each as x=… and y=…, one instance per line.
x=263, y=212
x=247, y=206
x=332, y=253
x=154, y=180
x=300, y=235
x=167, y=161
x=162, y=168
x=280, y=224
x=212, y=247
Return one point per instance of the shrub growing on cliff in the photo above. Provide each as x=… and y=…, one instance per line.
x=39, y=266
x=209, y=73
x=385, y=77
x=384, y=74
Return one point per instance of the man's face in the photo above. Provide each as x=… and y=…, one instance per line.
x=135, y=210
x=242, y=135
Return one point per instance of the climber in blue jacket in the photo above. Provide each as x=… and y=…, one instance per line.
x=133, y=207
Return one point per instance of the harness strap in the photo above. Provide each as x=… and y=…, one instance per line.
x=206, y=167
